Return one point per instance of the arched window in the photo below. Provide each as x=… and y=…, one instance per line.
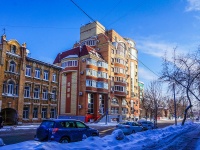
x=10, y=89
x=12, y=66
x=114, y=101
x=13, y=49
x=124, y=102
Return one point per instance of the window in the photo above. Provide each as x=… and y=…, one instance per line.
x=114, y=101
x=37, y=73
x=44, y=113
x=90, y=103
x=70, y=63
x=36, y=93
x=53, y=113
x=54, y=94
x=114, y=110
x=91, y=83
x=101, y=103
x=46, y=75
x=26, y=113
x=28, y=71
x=35, y=112
x=80, y=125
x=124, y=102
x=10, y=89
x=13, y=49
x=45, y=94
x=27, y=92
x=12, y=66
x=120, y=88
x=54, y=77
x=16, y=90
x=124, y=111
x=4, y=87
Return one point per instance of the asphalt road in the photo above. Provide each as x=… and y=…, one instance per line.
x=16, y=136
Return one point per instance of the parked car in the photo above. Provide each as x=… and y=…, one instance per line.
x=147, y=124
x=64, y=130
x=129, y=127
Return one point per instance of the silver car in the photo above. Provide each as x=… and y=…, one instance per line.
x=147, y=125
x=129, y=127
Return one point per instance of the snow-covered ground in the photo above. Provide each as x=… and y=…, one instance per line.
x=172, y=137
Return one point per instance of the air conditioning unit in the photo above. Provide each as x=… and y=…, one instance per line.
x=83, y=60
x=80, y=93
x=79, y=106
x=82, y=72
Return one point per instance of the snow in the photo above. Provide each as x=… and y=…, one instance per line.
x=171, y=137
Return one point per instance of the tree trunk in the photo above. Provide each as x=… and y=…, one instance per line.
x=185, y=114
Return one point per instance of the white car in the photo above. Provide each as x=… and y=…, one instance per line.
x=129, y=127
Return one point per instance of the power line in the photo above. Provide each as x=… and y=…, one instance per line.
x=37, y=27
x=112, y=37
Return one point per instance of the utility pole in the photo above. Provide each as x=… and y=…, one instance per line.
x=174, y=104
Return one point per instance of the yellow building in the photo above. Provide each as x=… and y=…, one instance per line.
x=29, y=88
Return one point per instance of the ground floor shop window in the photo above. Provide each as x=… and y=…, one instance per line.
x=44, y=113
x=101, y=103
x=35, y=112
x=53, y=113
x=25, y=113
x=114, y=110
x=90, y=103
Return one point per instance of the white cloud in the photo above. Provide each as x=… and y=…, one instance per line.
x=146, y=75
x=158, y=48
x=194, y=5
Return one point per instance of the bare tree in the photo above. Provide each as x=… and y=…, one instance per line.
x=153, y=94
x=184, y=72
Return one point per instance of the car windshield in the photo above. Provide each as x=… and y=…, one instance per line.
x=48, y=124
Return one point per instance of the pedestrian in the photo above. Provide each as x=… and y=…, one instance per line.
x=1, y=122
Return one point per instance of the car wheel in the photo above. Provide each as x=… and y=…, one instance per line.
x=133, y=131
x=64, y=140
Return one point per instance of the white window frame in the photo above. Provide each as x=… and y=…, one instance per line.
x=54, y=77
x=35, y=112
x=53, y=113
x=12, y=66
x=44, y=113
x=37, y=73
x=36, y=94
x=45, y=94
x=90, y=103
x=28, y=71
x=46, y=75
x=27, y=91
x=26, y=113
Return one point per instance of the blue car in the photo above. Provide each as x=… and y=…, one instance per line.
x=64, y=130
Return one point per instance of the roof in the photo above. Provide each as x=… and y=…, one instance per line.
x=79, y=51
x=44, y=63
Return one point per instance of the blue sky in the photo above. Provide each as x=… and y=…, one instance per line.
x=157, y=26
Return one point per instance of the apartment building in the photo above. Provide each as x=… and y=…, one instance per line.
x=29, y=87
x=100, y=76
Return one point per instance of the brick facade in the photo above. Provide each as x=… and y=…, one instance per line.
x=25, y=94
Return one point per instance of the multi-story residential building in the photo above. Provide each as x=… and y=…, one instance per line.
x=100, y=76
x=29, y=87
x=141, y=96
